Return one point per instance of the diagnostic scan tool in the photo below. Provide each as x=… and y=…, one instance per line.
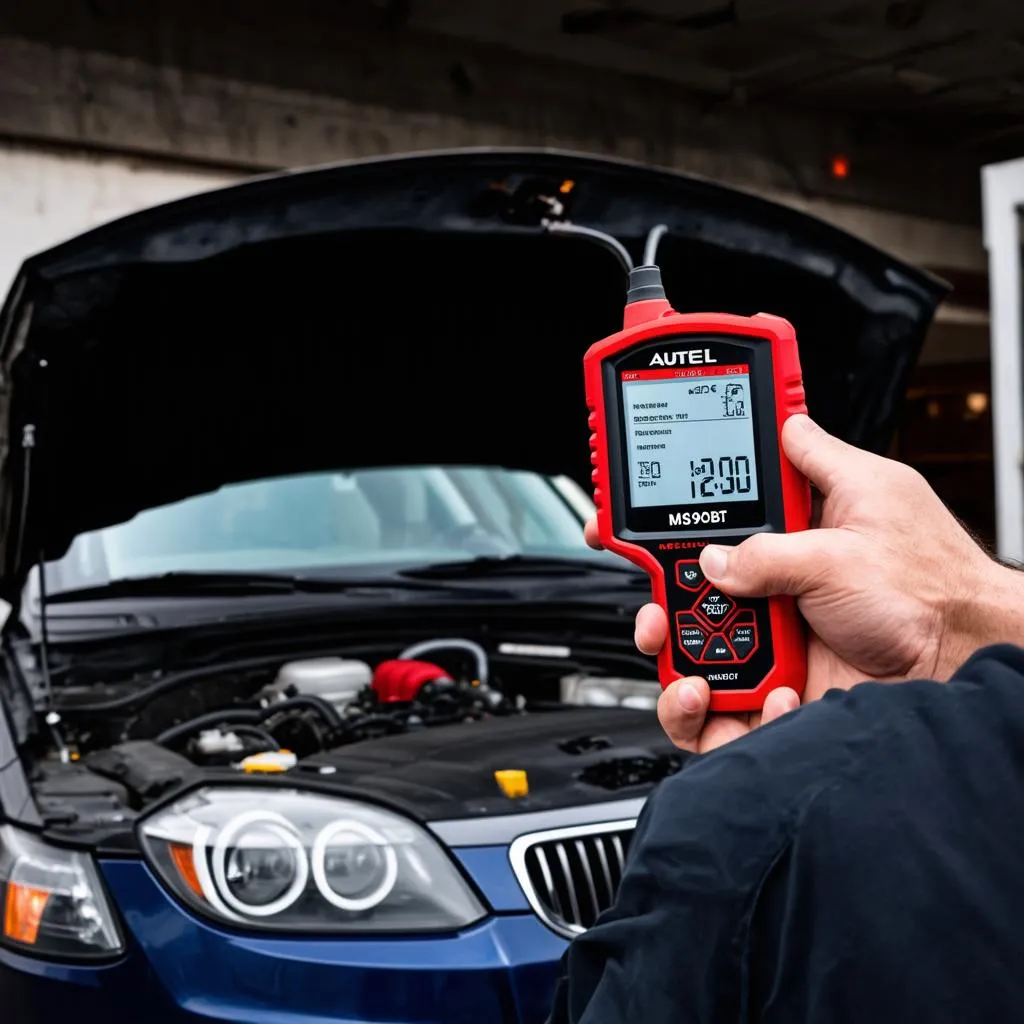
x=686, y=414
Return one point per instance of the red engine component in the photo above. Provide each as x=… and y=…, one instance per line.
x=400, y=680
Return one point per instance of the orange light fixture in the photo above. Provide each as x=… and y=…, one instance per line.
x=977, y=402
x=24, y=912
x=183, y=860
x=840, y=166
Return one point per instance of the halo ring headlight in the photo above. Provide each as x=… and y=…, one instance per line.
x=281, y=828
x=372, y=836
x=288, y=860
x=202, y=869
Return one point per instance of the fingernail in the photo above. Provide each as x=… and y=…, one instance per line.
x=714, y=561
x=689, y=699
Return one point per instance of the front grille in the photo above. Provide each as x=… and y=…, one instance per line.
x=570, y=875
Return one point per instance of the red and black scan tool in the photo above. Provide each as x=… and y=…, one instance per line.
x=687, y=412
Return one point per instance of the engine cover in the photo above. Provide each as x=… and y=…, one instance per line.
x=572, y=756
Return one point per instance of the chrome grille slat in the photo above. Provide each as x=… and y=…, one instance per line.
x=549, y=882
x=571, y=875
x=602, y=856
x=563, y=860
x=619, y=852
x=588, y=874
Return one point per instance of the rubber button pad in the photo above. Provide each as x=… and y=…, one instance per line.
x=714, y=628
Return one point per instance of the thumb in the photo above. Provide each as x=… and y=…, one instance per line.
x=822, y=458
x=768, y=564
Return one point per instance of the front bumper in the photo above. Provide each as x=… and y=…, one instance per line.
x=180, y=969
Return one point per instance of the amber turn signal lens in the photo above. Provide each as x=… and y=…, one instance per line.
x=24, y=912
x=185, y=863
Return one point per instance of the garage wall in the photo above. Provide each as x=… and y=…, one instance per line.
x=49, y=195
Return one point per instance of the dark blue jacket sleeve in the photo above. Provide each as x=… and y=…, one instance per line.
x=673, y=948
x=856, y=860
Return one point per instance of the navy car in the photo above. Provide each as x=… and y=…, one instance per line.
x=314, y=706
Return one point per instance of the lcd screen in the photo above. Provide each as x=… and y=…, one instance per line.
x=690, y=436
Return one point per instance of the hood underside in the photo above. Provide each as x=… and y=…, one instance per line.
x=394, y=312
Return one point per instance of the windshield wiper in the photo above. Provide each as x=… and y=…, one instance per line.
x=235, y=584
x=518, y=565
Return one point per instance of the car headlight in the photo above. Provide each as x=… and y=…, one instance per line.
x=297, y=861
x=597, y=691
x=51, y=900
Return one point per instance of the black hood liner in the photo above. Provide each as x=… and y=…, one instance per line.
x=394, y=312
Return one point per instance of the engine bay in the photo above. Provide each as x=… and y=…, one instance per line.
x=426, y=729
x=229, y=714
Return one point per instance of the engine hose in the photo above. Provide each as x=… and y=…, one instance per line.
x=234, y=716
x=324, y=708
x=210, y=720
x=256, y=733
x=389, y=723
x=167, y=685
x=482, y=664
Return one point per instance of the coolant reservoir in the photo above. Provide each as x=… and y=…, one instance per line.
x=337, y=680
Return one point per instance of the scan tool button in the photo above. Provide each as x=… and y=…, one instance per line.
x=718, y=650
x=691, y=636
x=715, y=607
x=689, y=575
x=743, y=637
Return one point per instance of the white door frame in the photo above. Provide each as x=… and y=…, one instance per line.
x=1002, y=188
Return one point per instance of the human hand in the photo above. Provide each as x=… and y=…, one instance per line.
x=891, y=585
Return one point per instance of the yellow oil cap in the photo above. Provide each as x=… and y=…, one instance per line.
x=513, y=782
x=269, y=761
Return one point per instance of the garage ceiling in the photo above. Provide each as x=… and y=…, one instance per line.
x=948, y=69
x=909, y=96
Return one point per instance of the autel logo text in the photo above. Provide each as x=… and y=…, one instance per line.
x=688, y=357
x=716, y=515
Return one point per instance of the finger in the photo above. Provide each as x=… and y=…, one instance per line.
x=822, y=458
x=778, y=703
x=651, y=629
x=590, y=534
x=722, y=729
x=775, y=563
x=682, y=708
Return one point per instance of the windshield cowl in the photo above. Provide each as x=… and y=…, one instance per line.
x=102, y=620
x=189, y=584
x=485, y=566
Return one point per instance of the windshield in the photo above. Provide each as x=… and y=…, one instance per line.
x=388, y=518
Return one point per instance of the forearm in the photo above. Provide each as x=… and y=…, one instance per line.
x=988, y=610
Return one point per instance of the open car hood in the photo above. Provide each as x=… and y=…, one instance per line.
x=394, y=311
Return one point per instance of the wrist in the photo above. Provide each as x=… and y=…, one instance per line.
x=987, y=608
